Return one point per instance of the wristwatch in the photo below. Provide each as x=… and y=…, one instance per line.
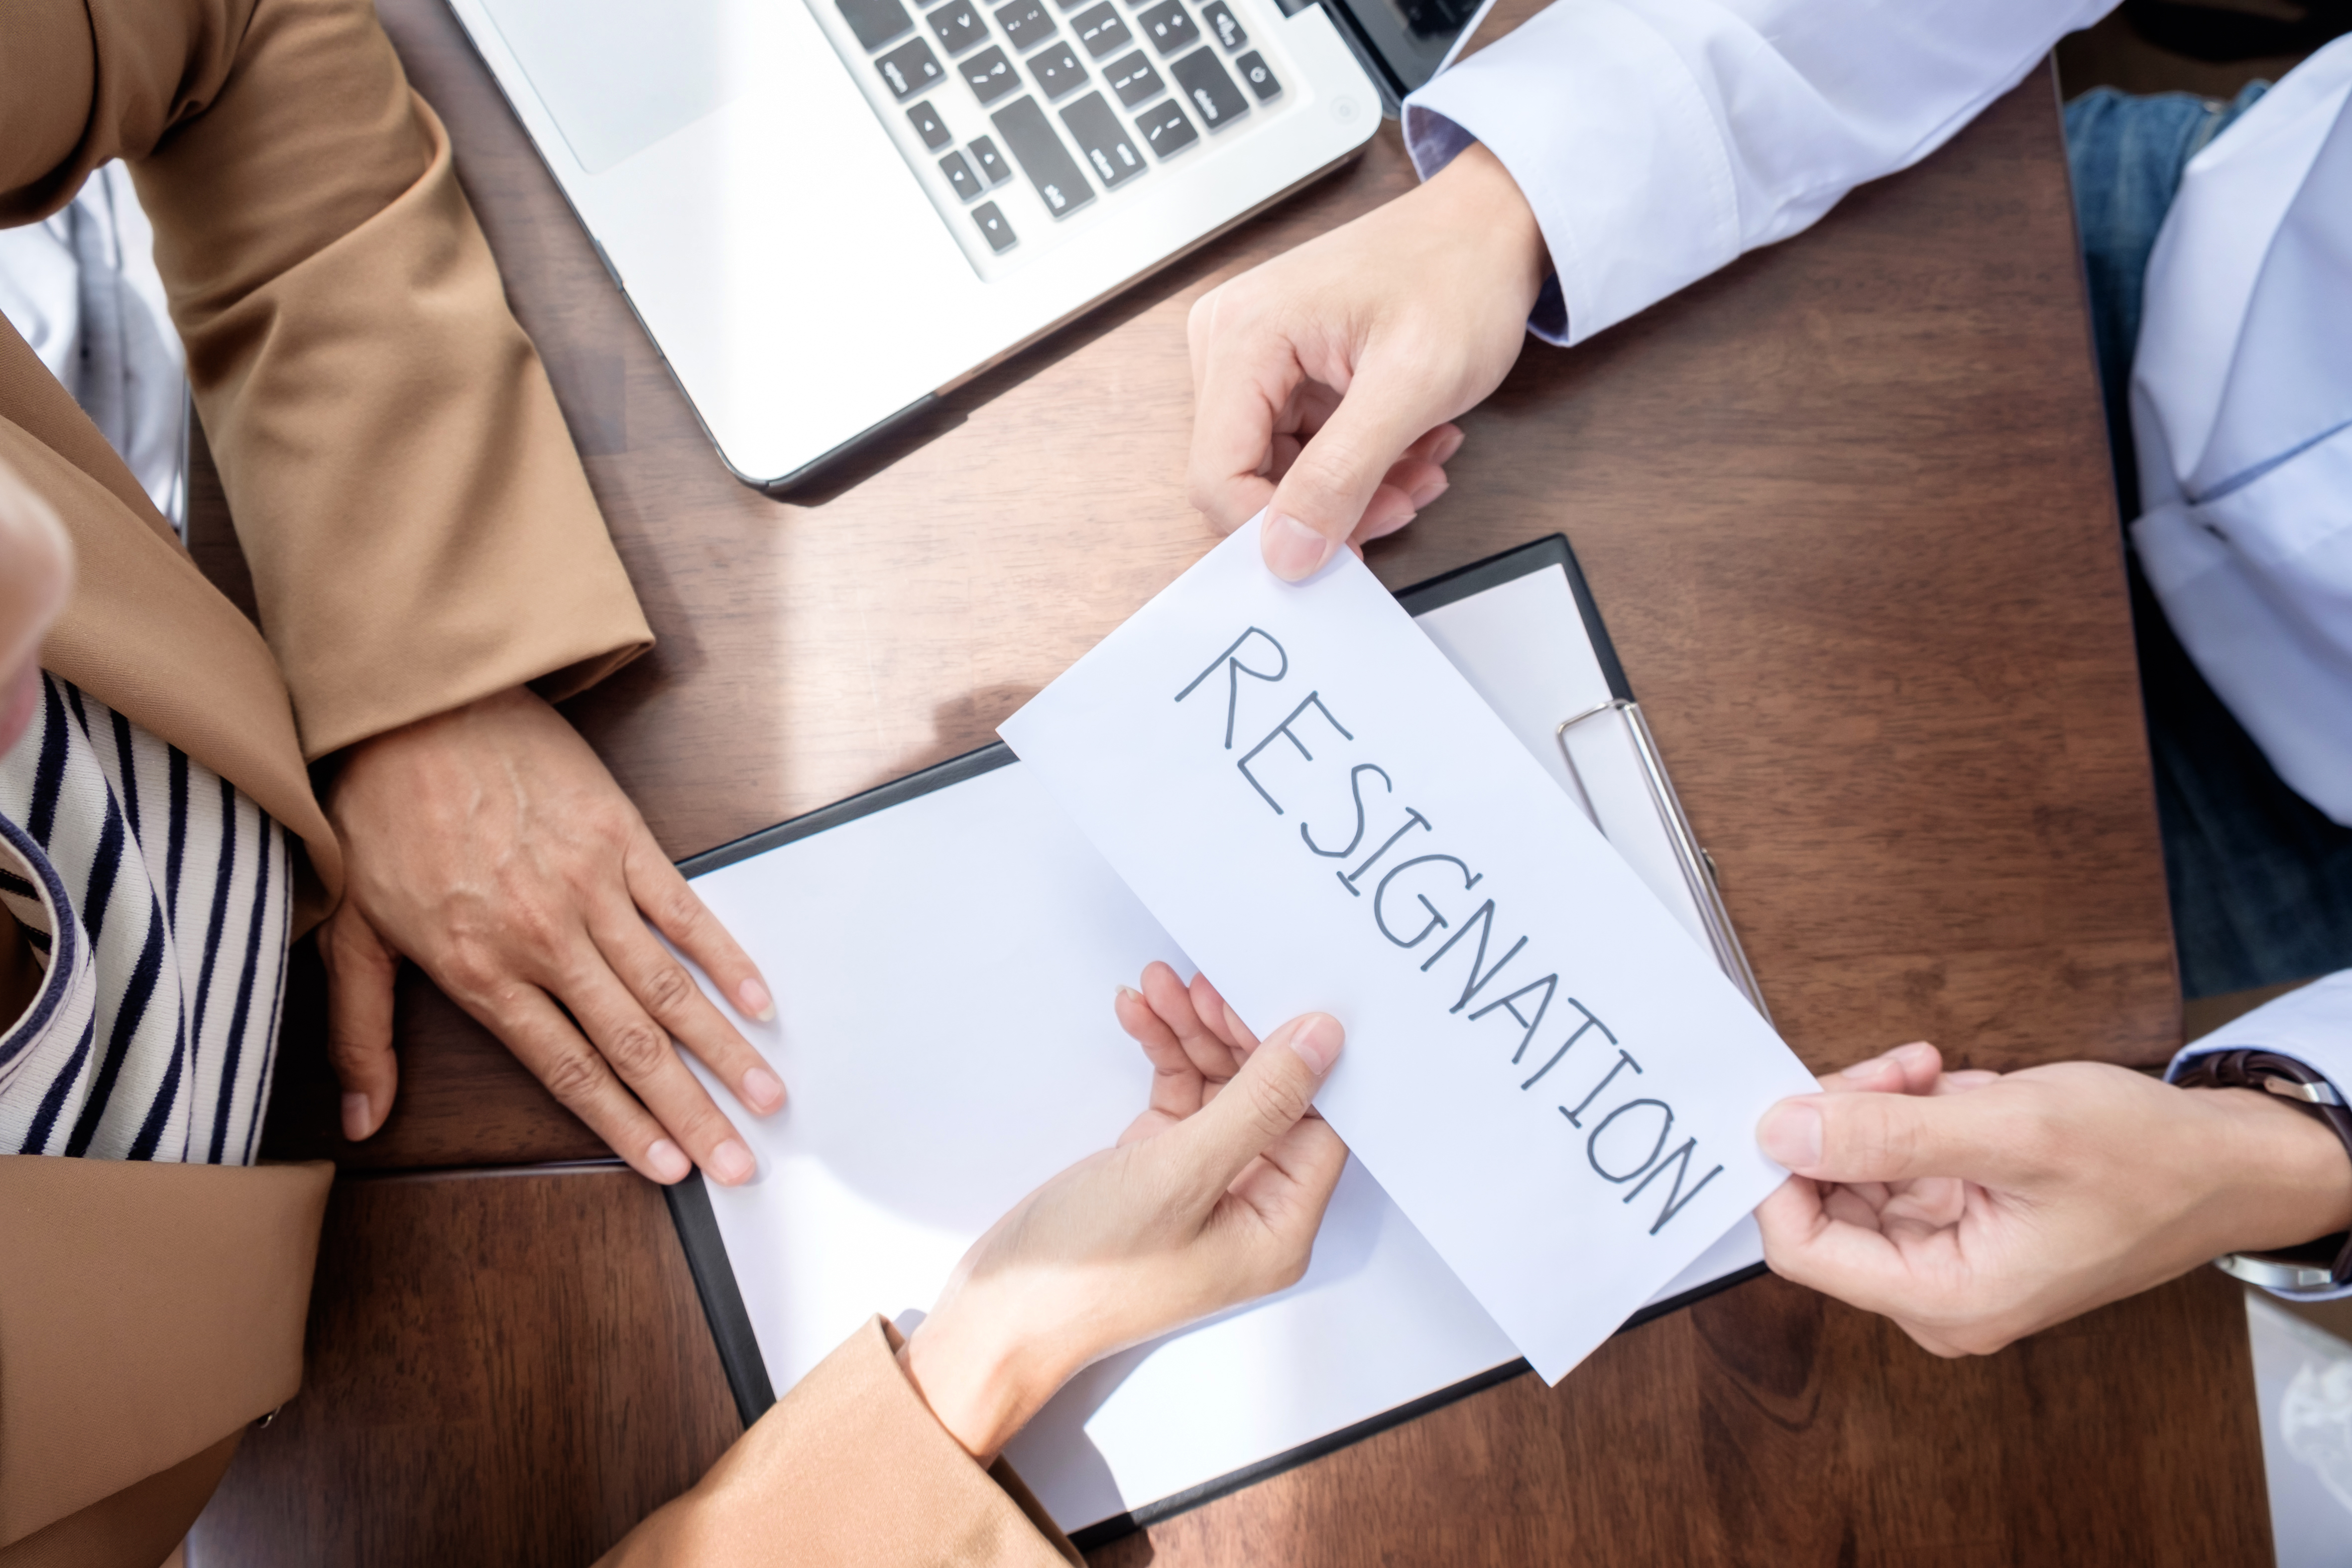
x=2319, y=1265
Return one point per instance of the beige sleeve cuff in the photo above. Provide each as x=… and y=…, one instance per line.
x=851, y=1468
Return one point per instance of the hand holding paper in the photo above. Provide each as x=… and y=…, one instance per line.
x=1212, y=1198
x=1547, y=1075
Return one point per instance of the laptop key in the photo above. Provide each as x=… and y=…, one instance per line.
x=961, y=179
x=1103, y=139
x=1261, y=81
x=1168, y=27
x=875, y=22
x=958, y=26
x=1057, y=71
x=1102, y=30
x=993, y=170
x=930, y=126
x=992, y=76
x=909, y=68
x=1025, y=22
x=993, y=228
x=1200, y=77
x=1133, y=80
x=1165, y=129
x=1043, y=157
x=1221, y=25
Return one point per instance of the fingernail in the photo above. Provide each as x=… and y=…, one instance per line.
x=1447, y=445
x=1864, y=1069
x=1317, y=1041
x=668, y=1160
x=1791, y=1133
x=1916, y=1053
x=762, y=1091
x=757, y=1003
x=732, y=1162
x=358, y=1120
x=1124, y=992
x=1429, y=492
x=1292, y=549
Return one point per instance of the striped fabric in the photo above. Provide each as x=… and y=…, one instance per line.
x=156, y=897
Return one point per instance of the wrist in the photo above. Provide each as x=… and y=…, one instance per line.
x=1484, y=200
x=2292, y=1176
x=981, y=1378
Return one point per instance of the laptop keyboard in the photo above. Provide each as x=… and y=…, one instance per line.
x=1069, y=102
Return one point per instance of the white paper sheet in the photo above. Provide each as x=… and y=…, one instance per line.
x=944, y=972
x=1310, y=798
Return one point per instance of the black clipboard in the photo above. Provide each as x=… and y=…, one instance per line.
x=689, y=1199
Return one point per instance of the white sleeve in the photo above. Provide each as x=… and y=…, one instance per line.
x=1658, y=140
x=2314, y=1025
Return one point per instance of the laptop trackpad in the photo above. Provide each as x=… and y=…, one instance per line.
x=617, y=75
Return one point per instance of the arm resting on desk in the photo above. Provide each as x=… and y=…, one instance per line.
x=419, y=529
x=850, y=1468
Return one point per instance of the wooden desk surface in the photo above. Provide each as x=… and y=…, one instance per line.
x=1847, y=508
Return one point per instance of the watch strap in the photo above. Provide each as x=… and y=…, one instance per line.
x=2326, y=1264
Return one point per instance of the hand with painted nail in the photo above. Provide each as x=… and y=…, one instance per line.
x=1212, y=1198
x=489, y=846
x=1324, y=381
x=1974, y=1208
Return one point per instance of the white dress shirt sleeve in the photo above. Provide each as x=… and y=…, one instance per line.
x=2314, y=1025
x=1658, y=140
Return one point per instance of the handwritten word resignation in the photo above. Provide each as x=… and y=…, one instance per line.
x=1625, y=1132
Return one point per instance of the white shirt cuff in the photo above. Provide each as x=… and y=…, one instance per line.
x=2313, y=1027
x=1611, y=140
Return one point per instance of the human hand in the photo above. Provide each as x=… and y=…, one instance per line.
x=1974, y=1208
x=35, y=575
x=489, y=846
x=1212, y=1198
x=1324, y=380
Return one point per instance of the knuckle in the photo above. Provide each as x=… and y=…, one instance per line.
x=678, y=909
x=636, y=1050
x=1276, y=1108
x=531, y=921
x=469, y=969
x=666, y=991
x=573, y=1077
x=347, y=1054
x=1285, y=1269
x=1202, y=318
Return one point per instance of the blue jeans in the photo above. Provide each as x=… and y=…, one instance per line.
x=2261, y=880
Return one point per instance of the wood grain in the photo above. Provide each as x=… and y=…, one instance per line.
x=502, y=1368
x=512, y=1369
x=1845, y=507
x=1769, y=1427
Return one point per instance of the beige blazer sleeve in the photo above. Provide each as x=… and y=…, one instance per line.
x=148, y=1313
x=850, y=1468
x=420, y=530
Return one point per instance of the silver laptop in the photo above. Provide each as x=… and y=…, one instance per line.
x=828, y=212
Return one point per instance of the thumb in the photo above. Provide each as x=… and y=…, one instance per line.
x=1267, y=1099
x=1896, y=1137
x=360, y=971
x=1323, y=496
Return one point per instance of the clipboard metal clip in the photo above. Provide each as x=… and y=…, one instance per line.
x=1691, y=858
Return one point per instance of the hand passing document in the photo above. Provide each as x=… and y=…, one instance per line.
x=1545, y=1072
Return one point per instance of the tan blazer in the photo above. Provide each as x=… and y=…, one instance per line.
x=421, y=534
x=849, y=1467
